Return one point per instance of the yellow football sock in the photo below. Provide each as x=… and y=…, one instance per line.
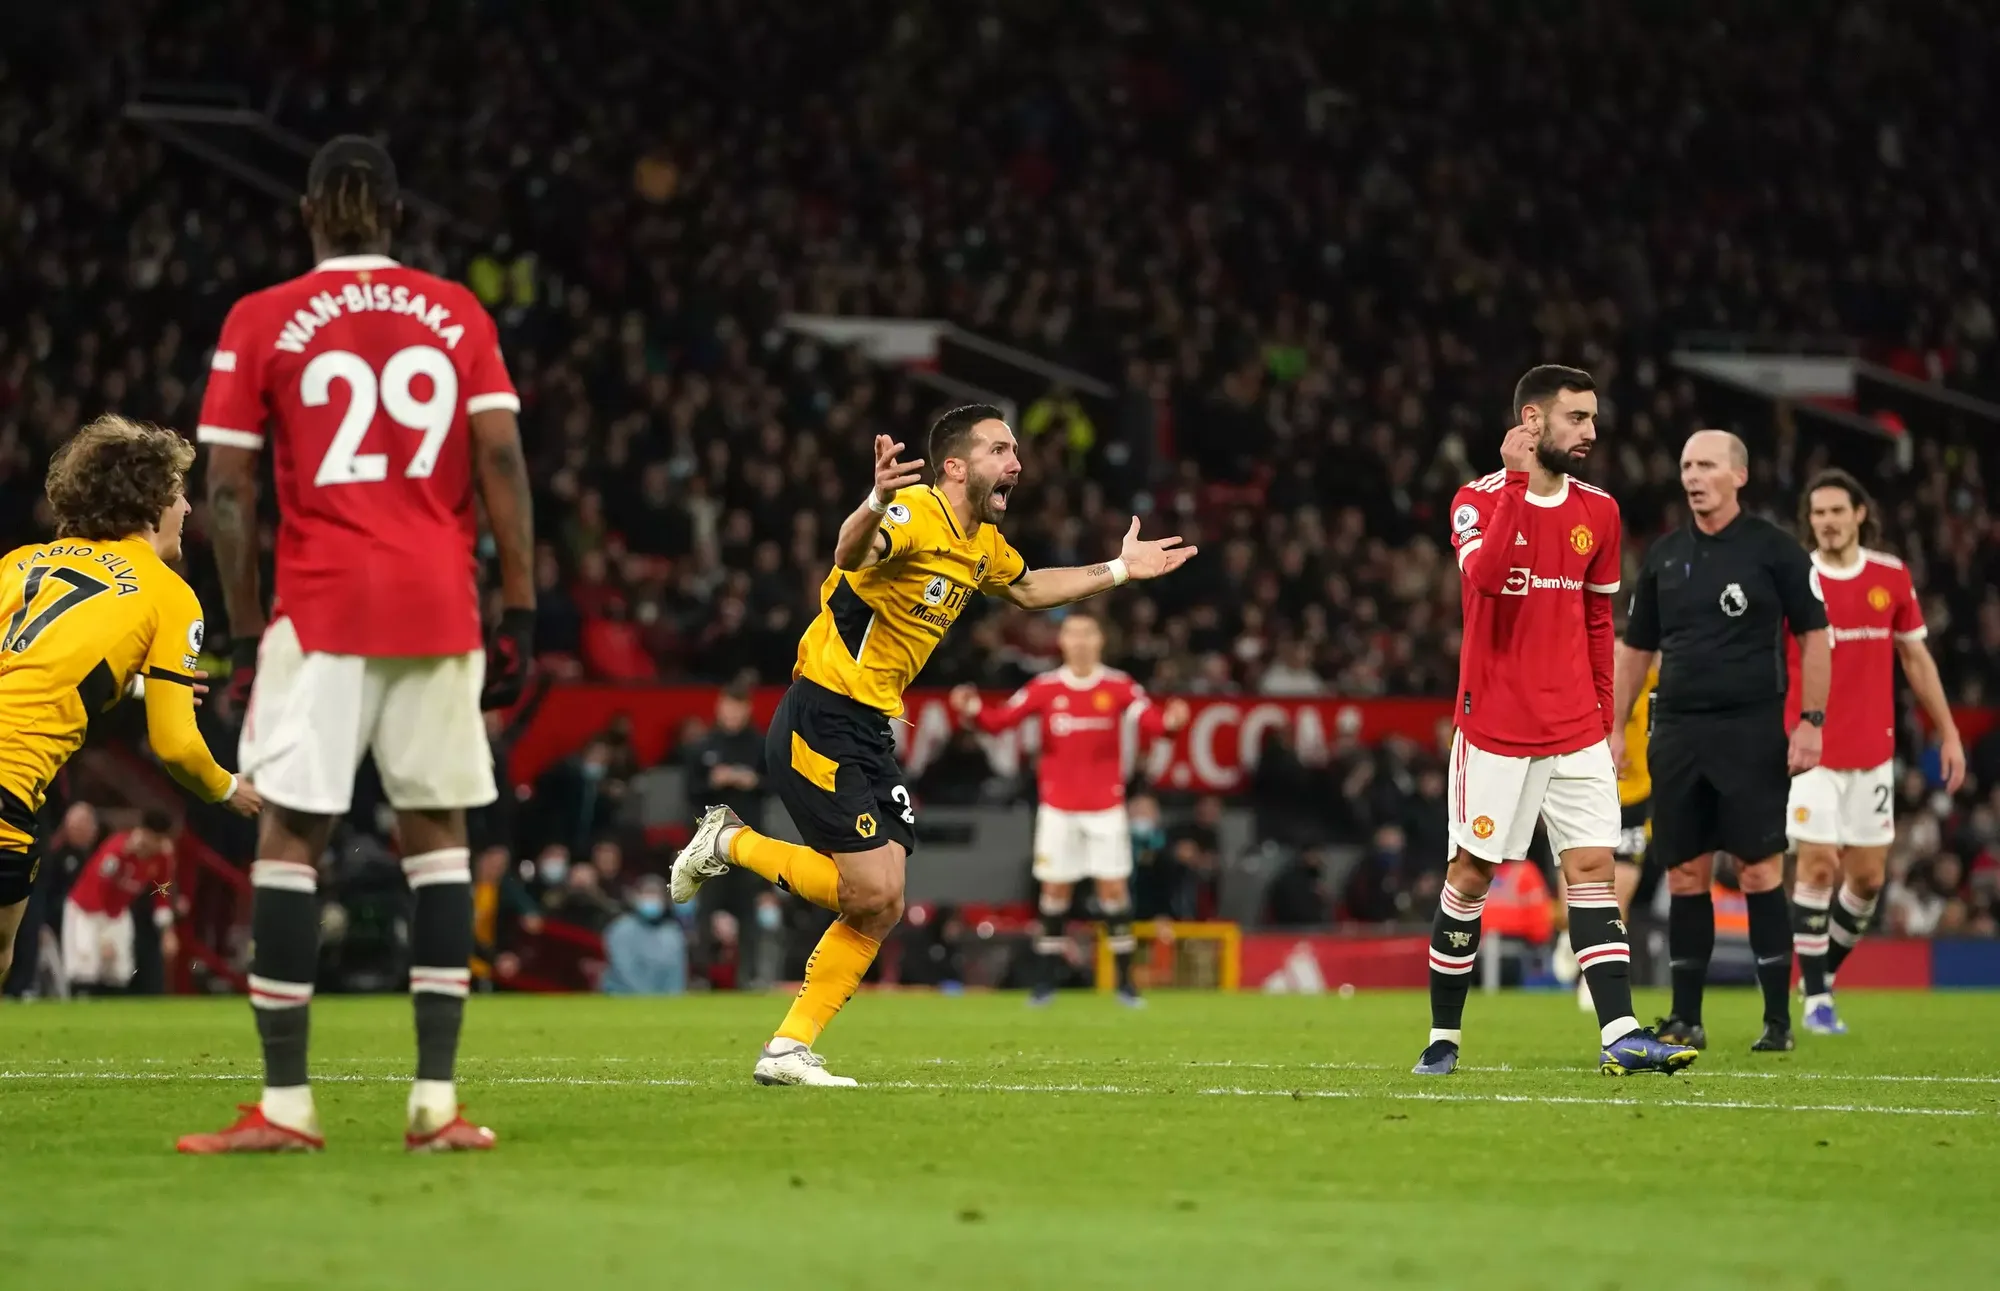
x=791, y=866
x=835, y=969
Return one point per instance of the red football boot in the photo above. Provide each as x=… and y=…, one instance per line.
x=455, y=1135
x=251, y=1133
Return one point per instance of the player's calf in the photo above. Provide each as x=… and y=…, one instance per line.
x=1453, y=952
x=284, y=927
x=1114, y=900
x=1597, y=937
x=440, y=978
x=1853, y=909
x=1050, y=942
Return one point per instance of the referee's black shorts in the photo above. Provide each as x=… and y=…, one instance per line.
x=832, y=762
x=1720, y=783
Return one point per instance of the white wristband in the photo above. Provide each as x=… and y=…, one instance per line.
x=876, y=504
x=1119, y=574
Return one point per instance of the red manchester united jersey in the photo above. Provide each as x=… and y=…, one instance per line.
x=363, y=374
x=1870, y=605
x=1083, y=733
x=1536, y=578
x=115, y=876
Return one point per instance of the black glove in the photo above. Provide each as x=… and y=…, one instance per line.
x=510, y=656
x=242, y=672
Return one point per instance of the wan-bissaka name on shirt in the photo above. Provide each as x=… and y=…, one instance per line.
x=361, y=297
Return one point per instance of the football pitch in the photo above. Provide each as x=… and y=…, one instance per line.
x=1207, y=1141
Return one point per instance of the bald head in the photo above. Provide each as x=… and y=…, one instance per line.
x=1715, y=465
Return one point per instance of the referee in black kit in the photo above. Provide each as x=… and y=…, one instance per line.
x=1712, y=603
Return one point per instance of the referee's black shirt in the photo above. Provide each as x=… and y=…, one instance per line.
x=1715, y=607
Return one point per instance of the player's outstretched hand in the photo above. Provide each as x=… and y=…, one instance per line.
x=1145, y=559
x=891, y=474
x=1803, y=755
x=1517, y=451
x=1175, y=715
x=246, y=801
x=965, y=702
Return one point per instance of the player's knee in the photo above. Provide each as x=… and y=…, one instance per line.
x=873, y=893
x=1761, y=876
x=1056, y=897
x=1468, y=875
x=1866, y=884
x=1113, y=894
x=1587, y=865
x=1689, y=880
x=1818, y=864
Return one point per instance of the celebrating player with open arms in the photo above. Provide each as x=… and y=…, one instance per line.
x=906, y=563
x=386, y=404
x=1841, y=814
x=82, y=618
x=1538, y=554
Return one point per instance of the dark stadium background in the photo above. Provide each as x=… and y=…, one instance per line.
x=1264, y=278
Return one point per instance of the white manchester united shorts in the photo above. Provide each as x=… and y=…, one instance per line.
x=1071, y=846
x=1495, y=800
x=96, y=948
x=1843, y=808
x=314, y=716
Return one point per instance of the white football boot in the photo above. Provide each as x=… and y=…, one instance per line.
x=787, y=1062
x=703, y=858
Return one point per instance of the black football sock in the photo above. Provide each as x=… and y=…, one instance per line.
x=1454, y=950
x=1049, y=944
x=1118, y=932
x=1771, y=942
x=1849, y=918
x=440, y=958
x=1597, y=936
x=1690, y=944
x=1809, y=935
x=284, y=959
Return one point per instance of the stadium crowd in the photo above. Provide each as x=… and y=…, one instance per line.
x=1299, y=251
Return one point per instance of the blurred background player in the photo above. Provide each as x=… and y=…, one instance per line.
x=1538, y=554
x=1086, y=711
x=86, y=614
x=1842, y=813
x=905, y=565
x=99, y=938
x=386, y=403
x=1713, y=601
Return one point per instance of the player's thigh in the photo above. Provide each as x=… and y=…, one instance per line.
x=1867, y=806
x=1494, y=801
x=1754, y=784
x=429, y=737
x=119, y=943
x=304, y=730
x=1580, y=801
x=1813, y=807
x=82, y=952
x=17, y=874
x=836, y=773
x=1107, y=845
x=1685, y=805
x=1058, y=847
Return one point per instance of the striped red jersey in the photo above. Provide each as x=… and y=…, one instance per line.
x=1870, y=606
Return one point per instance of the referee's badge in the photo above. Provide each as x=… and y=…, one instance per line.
x=1734, y=601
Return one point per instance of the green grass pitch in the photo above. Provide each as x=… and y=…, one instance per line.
x=1207, y=1141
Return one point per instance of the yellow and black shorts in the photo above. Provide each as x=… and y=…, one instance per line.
x=20, y=849
x=832, y=762
x=1635, y=832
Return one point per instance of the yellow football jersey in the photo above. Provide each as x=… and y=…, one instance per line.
x=1635, y=783
x=81, y=620
x=878, y=626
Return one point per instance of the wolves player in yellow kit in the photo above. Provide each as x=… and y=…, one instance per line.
x=907, y=562
x=82, y=618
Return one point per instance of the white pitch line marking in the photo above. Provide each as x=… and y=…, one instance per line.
x=1355, y=1095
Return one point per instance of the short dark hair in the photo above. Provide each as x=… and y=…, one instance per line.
x=158, y=821
x=951, y=432
x=352, y=188
x=1540, y=384
x=116, y=478
x=1857, y=496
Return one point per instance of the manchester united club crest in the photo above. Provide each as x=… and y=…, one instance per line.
x=1581, y=540
x=1878, y=598
x=1482, y=827
x=1103, y=701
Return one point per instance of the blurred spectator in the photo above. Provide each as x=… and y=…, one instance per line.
x=1162, y=888
x=581, y=901
x=501, y=907
x=725, y=764
x=579, y=797
x=607, y=858
x=958, y=774
x=933, y=940
x=1373, y=885
x=37, y=966
x=645, y=951
x=1297, y=896
x=1196, y=847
